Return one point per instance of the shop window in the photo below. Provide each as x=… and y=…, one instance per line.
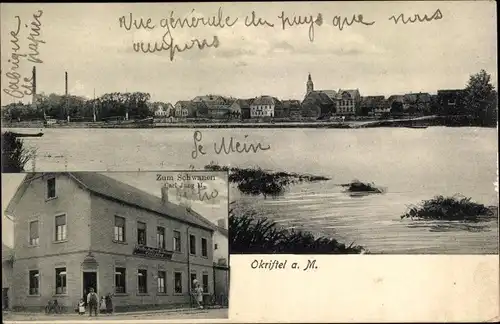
x=141, y=233
x=34, y=236
x=177, y=241
x=205, y=283
x=51, y=188
x=60, y=281
x=204, y=247
x=34, y=282
x=119, y=229
x=61, y=227
x=192, y=244
x=160, y=237
x=142, y=281
x=120, y=279
x=162, y=279
x=178, y=282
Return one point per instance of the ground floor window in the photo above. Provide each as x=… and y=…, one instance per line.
x=205, y=282
x=60, y=281
x=162, y=278
x=142, y=281
x=191, y=282
x=120, y=280
x=34, y=278
x=178, y=282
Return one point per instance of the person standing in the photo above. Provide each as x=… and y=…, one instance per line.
x=102, y=308
x=109, y=304
x=199, y=295
x=92, y=301
x=81, y=307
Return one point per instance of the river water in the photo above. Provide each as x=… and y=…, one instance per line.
x=411, y=164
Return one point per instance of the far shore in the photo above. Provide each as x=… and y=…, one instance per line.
x=414, y=122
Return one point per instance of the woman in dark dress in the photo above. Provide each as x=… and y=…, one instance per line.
x=109, y=304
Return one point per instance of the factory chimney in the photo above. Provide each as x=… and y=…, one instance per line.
x=66, y=93
x=34, y=85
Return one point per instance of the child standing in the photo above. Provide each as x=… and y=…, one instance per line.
x=102, y=309
x=81, y=307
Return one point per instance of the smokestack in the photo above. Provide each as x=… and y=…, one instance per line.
x=34, y=84
x=164, y=194
x=66, y=82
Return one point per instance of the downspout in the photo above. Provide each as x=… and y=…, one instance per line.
x=189, y=269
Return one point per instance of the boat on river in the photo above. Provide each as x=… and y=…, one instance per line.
x=27, y=134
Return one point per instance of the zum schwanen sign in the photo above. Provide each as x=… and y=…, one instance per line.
x=152, y=252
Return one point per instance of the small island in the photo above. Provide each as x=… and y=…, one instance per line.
x=455, y=208
x=256, y=181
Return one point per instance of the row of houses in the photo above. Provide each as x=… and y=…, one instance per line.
x=316, y=104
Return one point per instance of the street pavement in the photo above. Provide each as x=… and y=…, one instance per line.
x=220, y=313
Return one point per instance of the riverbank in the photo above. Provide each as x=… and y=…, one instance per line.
x=415, y=122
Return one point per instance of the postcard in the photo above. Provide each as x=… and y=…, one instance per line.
x=353, y=144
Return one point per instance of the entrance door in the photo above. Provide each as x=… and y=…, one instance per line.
x=89, y=281
x=5, y=298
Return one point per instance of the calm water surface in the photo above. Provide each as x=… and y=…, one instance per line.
x=412, y=164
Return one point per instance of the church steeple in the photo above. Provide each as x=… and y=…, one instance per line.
x=309, y=85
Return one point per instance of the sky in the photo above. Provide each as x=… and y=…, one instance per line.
x=382, y=59
x=213, y=209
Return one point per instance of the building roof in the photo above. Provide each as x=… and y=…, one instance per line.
x=264, y=100
x=330, y=93
x=244, y=103
x=372, y=100
x=112, y=189
x=352, y=92
x=319, y=96
x=223, y=231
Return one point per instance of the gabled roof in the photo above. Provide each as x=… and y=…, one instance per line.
x=265, y=100
x=244, y=103
x=330, y=93
x=115, y=190
x=352, y=92
x=319, y=96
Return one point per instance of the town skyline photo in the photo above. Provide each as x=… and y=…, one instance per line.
x=385, y=58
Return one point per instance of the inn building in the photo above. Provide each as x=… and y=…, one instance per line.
x=75, y=231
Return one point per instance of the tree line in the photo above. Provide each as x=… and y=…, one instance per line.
x=107, y=106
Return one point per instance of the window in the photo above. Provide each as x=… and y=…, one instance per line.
x=177, y=241
x=141, y=233
x=162, y=278
x=34, y=278
x=193, y=278
x=51, y=188
x=120, y=280
x=178, y=283
x=60, y=228
x=34, y=238
x=192, y=244
x=142, y=280
x=451, y=101
x=204, y=247
x=205, y=283
x=216, y=246
x=119, y=229
x=60, y=281
x=160, y=237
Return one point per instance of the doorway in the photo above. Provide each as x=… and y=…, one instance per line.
x=89, y=281
x=5, y=298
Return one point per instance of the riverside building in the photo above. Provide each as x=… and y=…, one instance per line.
x=74, y=231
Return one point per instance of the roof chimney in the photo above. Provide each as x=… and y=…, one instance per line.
x=221, y=223
x=164, y=194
